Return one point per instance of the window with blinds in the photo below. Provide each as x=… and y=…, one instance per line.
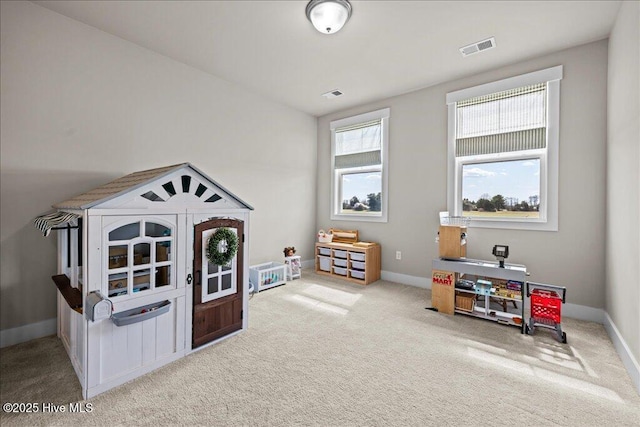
x=503, y=152
x=512, y=120
x=359, y=145
x=359, y=163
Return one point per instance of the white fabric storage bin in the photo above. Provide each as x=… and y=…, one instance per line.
x=356, y=274
x=340, y=262
x=325, y=251
x=339, y=254
x=325, y=263
x=339, y=270
x=358, y=265
x=356, y=256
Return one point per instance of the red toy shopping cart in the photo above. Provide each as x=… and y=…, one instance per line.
x=546, y=308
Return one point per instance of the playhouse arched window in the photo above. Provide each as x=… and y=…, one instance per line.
x=139, y=257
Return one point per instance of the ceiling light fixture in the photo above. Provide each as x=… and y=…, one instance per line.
x=328, y=16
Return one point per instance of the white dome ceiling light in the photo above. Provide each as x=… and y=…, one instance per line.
x=328, y=16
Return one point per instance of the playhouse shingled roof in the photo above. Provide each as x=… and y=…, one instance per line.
x=131, y=182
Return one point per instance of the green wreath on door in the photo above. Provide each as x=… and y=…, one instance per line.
x=222, y=246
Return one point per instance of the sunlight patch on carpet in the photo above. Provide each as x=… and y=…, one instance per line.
x=584, y=363
x=521, y=368
x=565, y=356
x=577, y=384
x=500, y=361
x=333, y=296
x=488, y=347
x=314, y=304
x=555, y=359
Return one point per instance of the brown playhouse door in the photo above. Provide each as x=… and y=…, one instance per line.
x=217, y=292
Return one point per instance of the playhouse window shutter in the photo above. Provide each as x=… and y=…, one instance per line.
x=359, y=145
x=512, y=120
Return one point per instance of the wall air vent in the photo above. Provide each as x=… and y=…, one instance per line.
x=332, y=94
x=478, y=47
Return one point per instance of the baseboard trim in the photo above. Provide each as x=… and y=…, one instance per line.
x=405, y=279
x=583, y=312
x=28, y=332
x=310, y=263
x=628, y=360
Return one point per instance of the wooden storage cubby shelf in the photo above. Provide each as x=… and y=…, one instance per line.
x=345, y=261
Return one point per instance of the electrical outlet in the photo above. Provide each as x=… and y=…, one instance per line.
x=398, y=255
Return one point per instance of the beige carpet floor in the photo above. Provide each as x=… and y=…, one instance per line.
x=322, y=352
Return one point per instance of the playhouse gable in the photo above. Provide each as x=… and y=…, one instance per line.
x=180, y=185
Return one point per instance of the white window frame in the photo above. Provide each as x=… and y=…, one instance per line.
x=548, y=211
x=131, y=268
x=206, y=274
x=337, y=174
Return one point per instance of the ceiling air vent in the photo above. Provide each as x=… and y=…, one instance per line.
x=332, y=94
x=478, y=47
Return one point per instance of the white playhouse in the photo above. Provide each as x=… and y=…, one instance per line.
x=151, y=267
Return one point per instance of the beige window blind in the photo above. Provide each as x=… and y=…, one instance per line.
x=512, y=120
x=359, y=145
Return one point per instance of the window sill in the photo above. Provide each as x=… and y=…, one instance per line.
x=361, y=218
x=514, y=225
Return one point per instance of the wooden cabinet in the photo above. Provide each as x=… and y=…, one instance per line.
x=344, y=260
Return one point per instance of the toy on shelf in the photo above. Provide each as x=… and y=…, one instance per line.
x=344, y=236
x=324, y=237
x=501, y=252
x=293, y=263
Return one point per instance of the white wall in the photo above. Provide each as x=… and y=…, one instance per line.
x=623, y=178
x=572, y=257
x=81, y=107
